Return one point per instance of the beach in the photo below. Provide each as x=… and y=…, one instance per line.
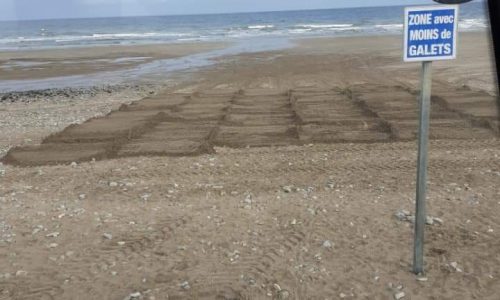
x=40, y=64
x=280, y=174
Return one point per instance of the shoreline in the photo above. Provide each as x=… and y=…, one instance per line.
x=53, y=63
x=150, y=71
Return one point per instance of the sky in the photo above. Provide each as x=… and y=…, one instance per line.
x=54, y=9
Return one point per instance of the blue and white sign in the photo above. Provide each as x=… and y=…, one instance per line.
x=431, y=33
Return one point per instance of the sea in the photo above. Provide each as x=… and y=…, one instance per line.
x=39, y=34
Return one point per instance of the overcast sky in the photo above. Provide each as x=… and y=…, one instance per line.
x=48, y=9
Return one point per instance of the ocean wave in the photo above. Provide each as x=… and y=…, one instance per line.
x=389, y=26
x=249, y=33
x=472, y=24
x=300, y=31
x=242, y=32
x=193, y=39
x=22, y=39
x=136, y=35
x=96, y=36
x=265, y=26
x=323, y=26
x=69, y=33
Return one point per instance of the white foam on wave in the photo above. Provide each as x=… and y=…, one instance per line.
x=322, y=26
x=139, y=35
x=389, y=26
x=265, y=26
x=22, y=39
x=245, y=31
x=472, y=24
x=120, y=36
x=193, y=39
x=96, y=37
x=300, y=31
x=248, y=33
x=354, y=28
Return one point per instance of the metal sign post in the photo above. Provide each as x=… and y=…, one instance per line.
x=430, y=34
x=423, y=141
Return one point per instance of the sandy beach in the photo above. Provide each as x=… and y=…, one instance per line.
x=285, y=174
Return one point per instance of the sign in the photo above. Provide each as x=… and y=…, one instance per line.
x=430, y=33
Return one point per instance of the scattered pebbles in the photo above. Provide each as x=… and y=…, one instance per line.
x=406, y=216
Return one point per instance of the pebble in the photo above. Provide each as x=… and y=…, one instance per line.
x=438, y=221
x=113, y=184
x=422, y=279
x=287, y=189
x=108, y=236
x=283, y=294
x=53, y=245
x=312, y=211
x=455, y=266
x=327, y=244
x=73, y=164
x=21, y=273
x=82, y=196
x=37, y=229
x=53, y=234
x=248, y=199
x=135, y=295
x=402, y=215
x=399, y=295
x=185, y=285
x=121, y=243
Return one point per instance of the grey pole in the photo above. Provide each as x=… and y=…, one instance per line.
x=423, y=139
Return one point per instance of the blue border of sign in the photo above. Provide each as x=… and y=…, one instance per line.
x=406, y=32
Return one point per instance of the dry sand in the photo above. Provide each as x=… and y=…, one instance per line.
x=309, y=216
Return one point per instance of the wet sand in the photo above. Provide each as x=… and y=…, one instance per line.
x=271, y=175
x=40, y=64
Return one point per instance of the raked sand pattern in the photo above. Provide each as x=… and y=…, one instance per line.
x=192, y=124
